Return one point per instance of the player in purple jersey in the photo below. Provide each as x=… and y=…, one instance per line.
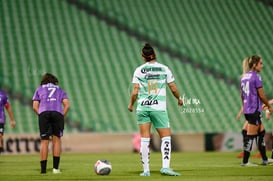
x=267, y=116
x=244, y=128
x=245, y=68
x=51, y=104
x=253, y=96
x=4, y=104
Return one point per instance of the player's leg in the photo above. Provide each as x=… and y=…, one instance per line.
x=44, y=154
x=144, y=147
x=144, y=124
x=244, y=130
x=1, y=137
x=161, y=122
x=165, y=135
x=57, y=130
x=272, y=147
x=56, y=142
x=259, y=155
x=166, y=149
x=1, y=143
x=44, y=129
x=261, y=146
x=244, y=135
x=248, y=142
x=253, y=126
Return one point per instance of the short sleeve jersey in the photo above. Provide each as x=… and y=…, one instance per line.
x=250, y=83
x=3, y=102
x=50, y=98
x=152, y=79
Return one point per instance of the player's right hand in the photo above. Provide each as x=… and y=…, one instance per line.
x=130, y=108
x=270, y=110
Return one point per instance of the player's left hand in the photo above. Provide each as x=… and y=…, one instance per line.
x=12, y=124
x=180, y=102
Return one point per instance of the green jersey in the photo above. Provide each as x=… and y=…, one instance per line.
x=152, y=79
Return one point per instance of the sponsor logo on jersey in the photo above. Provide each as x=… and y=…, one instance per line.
x=151, y=76
x=149, y=102
x=151, y=69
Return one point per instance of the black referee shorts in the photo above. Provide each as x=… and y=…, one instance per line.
x=51, y=123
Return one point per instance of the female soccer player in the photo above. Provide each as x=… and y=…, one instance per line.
x=267, y=116
x=252, y=95
x=4, y=104
x=51, y=104
x=244, y=128
x=245, y=68
x=149, y=89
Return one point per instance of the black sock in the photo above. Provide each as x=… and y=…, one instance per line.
x=1, y=149
x=56, y=161
x=246, y=156
x=261, y=144
x=43, y=166
x=244, y=136
x=263, y=151
x=247, y=147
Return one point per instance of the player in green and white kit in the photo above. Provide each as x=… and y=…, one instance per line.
x=149, y=90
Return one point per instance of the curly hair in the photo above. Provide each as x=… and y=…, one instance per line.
x=49, y=78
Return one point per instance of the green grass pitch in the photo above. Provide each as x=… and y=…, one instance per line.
x=205, y=166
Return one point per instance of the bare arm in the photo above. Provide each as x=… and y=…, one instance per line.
x=264, y=99
x=133, y=97
x=270, y=101
x=11, y=116
x=267, y=113
x=66, y=106
x=240, y=113
x=175, y=92
x=35, y=106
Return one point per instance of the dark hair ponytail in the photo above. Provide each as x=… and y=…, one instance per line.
x=148, y=52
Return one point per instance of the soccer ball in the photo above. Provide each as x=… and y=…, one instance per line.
x=102, y=167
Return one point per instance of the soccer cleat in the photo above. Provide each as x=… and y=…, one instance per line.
x=168, y=171
x=267, y=162
x=56, y=171
x=145, y=174
x=248, y=164
x=270, y=160
x=264, y=162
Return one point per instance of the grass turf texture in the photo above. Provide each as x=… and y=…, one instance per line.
x=207, y=166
